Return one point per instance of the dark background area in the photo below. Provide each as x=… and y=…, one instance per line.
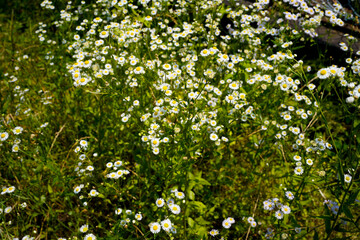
x=23, y=9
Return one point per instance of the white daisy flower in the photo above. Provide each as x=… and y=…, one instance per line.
x=160, y=202
x=279, y=215
x=90, y=236
x=104, y=34
x=138, y=216
x=289, y=195
x=214, y=232
x=347, y=178
x=11, y=189
x=118, y=211
x=93, y=193
x=179, y=195
x=83, y=144
x=7, y=210
x=175, y=209
x=17, y=130
x=84, y=228
x=155, y=227
x=226, y=223
x=214, y=137
x=231, y=220
x=166, y=225
x=250, y=219
x=309, y=162
x=15, y=148
x=299, y=170
x=285, y=209
x=323, y=73
x=77, y=189
x=4, y=136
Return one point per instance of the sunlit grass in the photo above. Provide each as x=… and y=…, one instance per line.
x=176, y=120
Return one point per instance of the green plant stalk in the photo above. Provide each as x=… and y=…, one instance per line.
x=302, y=186
x=343, y=200
x=339, y=212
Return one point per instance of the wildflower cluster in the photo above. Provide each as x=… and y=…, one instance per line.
x=272, y=204
x=166, y=208
x=195, y=96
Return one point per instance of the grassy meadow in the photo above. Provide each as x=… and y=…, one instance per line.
x=164, y=119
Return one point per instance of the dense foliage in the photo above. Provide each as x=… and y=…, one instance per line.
x=178, y=120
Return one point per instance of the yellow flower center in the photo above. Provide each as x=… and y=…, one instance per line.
x=323, y=72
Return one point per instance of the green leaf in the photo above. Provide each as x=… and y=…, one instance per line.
x=191, y=195
x=50, y=189
x=347, y=211
x=339, y=229
x=191, y=222
x=201, y=181
x=35, y=214
x=202, y=231
x=322, y=217
x=26, y=227
x=101, y=195
x=327, y=218
x=327, y=226
x=293, y=220
x=341, y=173
x=201, y=221
x=353, y=196
x=316, y=236
x=198, y=206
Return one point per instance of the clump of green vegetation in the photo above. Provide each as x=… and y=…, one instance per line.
x=176, y=120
